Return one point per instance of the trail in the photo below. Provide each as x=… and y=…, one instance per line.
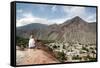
x=35, y=56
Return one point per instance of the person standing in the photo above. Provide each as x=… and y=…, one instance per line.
x=31, y=42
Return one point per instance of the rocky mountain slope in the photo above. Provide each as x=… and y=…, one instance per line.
x=73, y=30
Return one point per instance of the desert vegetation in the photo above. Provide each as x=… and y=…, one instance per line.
x=70, y=52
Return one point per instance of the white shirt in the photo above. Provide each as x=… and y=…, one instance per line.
x=31, y=43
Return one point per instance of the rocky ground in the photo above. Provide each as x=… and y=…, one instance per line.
x=56, y=53
x=34, y=56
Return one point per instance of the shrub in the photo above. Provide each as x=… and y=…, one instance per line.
x=84, y=48
x=90, y=58
x=61, y=56
x=76, y=57
x=64, y=46
x=54, y=46
x=47, y=41
x=91, y=48
x=21, y=42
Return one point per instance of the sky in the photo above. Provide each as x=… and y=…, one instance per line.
x=51, y=14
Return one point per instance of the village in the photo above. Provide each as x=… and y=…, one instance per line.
x=73, y=52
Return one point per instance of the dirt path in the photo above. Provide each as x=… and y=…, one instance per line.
x=34, y=56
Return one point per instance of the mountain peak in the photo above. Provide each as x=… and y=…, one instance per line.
x=77, y=18
x=75, y=22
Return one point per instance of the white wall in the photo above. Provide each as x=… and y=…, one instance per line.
x=5, y=34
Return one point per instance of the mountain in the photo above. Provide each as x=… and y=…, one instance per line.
x=92, y=26
x=78, y=30
x=26, y=30
x=72, y=30
x=32, y=26
x=75, y=24
x=75, y=29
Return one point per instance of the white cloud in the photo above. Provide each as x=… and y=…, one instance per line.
x=78, y=11
x=54, y=8
x=28, y=19
x=19, y=11
x=66, y=8
x=73, y=11
x=59, y=21
x=91, y=18
x=27, y=14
